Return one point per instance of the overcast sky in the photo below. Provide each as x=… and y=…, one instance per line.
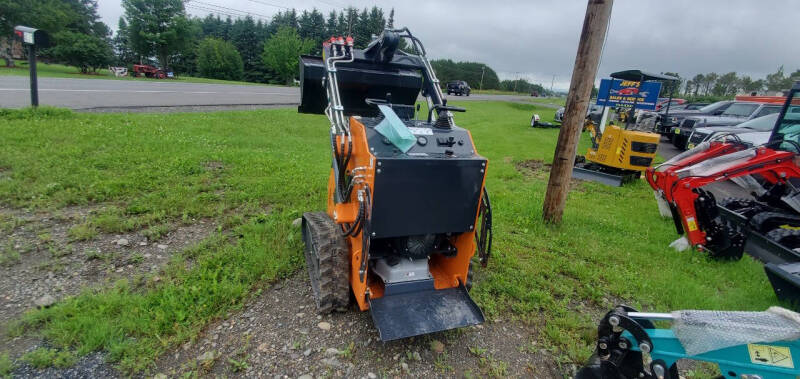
x=537, y=39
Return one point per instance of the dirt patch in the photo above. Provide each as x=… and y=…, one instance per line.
x=213, y=166
x=535, y=168
x=279, y=334
x=43, y=263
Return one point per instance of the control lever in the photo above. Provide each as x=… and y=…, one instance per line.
x=443, y=108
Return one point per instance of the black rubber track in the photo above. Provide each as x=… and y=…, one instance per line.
x=327, y=260
x=786, y=237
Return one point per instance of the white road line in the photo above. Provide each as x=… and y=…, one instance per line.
x=149, y=91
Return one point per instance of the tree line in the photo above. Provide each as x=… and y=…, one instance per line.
x=712, y=86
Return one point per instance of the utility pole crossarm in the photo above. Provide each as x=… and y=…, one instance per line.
x=595, y=24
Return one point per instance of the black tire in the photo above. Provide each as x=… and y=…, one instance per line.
x=327, y=260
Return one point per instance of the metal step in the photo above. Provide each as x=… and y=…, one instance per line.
x=421, y=309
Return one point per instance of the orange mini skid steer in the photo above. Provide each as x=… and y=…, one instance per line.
x=406, y=206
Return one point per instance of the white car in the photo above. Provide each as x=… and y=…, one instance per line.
x=751, y=130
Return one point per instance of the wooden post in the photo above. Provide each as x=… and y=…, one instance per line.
x=598, y=12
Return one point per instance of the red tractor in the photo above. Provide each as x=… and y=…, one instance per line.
x=769, y=170
x=768, y=225
x=148, y=71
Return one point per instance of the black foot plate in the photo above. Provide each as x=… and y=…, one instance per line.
x=426, y=311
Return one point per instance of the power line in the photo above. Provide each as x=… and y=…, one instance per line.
x=230, y=9
x=223, y=12
x=268, y=4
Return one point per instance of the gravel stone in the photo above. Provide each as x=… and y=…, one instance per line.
x=45, y=301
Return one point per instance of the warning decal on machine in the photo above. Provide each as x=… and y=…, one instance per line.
x=691, y=224
x=779, y=356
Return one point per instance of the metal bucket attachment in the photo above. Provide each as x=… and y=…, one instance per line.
x=313, y=98
x=785, y=280
x=596, y=176
x=358, y=81
x=414, y=309
x=595, y=173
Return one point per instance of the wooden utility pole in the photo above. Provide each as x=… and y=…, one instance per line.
x=595, y=24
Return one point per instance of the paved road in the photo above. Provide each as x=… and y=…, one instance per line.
x=164, y=95
x=110, y=95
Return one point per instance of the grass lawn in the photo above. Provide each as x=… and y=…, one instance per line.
x=53, y=70
x=257, y=171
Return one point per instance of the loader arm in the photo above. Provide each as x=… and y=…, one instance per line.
x=663, y=177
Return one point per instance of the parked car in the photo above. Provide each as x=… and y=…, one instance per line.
x=458, y=88
x=594, y=112
x=735, y=114
x=663, y=104
x=650, y=119
x=691, y=106
x=755, y=130
x=760, y=124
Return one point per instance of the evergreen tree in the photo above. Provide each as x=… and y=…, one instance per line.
x=362, y=33
x=331, y=26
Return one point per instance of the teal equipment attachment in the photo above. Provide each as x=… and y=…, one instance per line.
x=750, y=345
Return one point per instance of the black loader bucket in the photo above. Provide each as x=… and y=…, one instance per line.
x=412, y=309
x=785, y=280
x=358, y=81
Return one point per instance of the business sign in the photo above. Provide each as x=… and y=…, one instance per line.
x=624, y=93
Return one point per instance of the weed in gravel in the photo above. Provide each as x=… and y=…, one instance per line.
x=156, y=232
x=112, y=220
x=347, y=352
x=8, y=255
x=477, y=351
x=441, y=364
x=45, y=238
x=57, y=251
x=9, y=222
x=495, y=368
x=44, y=357
x=82, y=232
x=6, y=366
x=92, y=255
x=136, y=258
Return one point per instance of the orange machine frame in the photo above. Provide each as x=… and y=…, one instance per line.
x=447, y=272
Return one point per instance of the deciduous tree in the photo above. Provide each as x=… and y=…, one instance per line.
x=157, y=28
x=218, y=59
x=282, y=51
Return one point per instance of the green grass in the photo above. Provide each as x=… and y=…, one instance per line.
x=44, y=357
x=54, y=70
x=269, y=166
x=494, y=92
x=6, y=365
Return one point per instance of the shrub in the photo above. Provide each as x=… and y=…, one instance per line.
x=218, y=59
x=83, y=51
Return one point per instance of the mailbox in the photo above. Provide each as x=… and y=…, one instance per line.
x=31, y=36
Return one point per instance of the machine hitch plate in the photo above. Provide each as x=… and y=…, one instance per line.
x=413, y=313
